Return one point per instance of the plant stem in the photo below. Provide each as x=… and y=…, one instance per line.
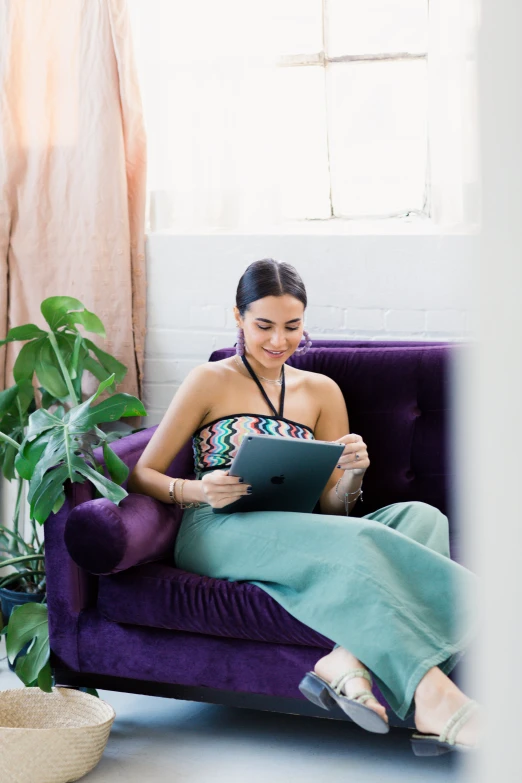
x=16, y=520
x=5, y=437
x=65, y=372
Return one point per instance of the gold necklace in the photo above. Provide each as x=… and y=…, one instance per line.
x=279, y=380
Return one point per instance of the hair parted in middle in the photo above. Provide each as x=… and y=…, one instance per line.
x=268, y=277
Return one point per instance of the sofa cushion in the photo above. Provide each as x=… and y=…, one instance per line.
x=162, y=596
x=105, y=538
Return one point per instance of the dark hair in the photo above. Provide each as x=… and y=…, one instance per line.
x=268, y=278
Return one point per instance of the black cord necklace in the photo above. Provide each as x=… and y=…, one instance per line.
x=263, y=392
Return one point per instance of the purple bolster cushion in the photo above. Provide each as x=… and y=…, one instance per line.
x=104, y=538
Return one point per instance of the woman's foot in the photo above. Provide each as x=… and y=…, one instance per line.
x=336, y=663
x=437, y=698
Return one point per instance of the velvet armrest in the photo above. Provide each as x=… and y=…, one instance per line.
x=104, y=538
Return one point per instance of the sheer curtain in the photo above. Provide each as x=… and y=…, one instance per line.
x=72, y=172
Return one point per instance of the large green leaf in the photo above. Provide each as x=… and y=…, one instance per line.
x=8, y=462
x=118, y=470
x=96, y=369
x=88, y=320
x=78, y=416
x=45, y=678
x=116, y=407
x=104, y=486
x=55, y=309
x=107, y=361
x=14, y=403
x=25, y=332
x=48, y=492
x=7, y=398
x=39, y=421
x=48, y=371
x=29, y=456
x=26, y=360
x=26, y=395
x=29, y=623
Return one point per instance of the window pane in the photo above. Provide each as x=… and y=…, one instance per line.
x=295, y=26
x=302, y=143
x=378, y=136
x=376, y=26
x=176, y=31
x=215, y=146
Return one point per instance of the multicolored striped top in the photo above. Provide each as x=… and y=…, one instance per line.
x=216, y=443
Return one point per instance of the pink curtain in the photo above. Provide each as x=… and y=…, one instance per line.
x=72, y=169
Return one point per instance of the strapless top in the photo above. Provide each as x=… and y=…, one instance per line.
x=215, y=444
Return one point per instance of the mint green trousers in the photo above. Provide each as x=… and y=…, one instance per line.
x=383, y=586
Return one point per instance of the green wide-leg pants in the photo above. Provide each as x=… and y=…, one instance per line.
x=383, y=586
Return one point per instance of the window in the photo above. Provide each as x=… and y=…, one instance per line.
x=283, y=110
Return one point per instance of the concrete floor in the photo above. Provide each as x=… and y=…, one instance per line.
x=155, y=739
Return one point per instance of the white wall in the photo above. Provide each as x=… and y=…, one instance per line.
x=382, y=286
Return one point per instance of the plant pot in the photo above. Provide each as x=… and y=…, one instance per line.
x=11, y=598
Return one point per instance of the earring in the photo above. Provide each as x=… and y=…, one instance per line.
x=306, y=347
x=240, y=342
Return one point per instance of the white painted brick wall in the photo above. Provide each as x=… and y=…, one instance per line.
x=359, y=319
x=446, y=321
x=413, y=322
x=324, y=319
x=395, y=287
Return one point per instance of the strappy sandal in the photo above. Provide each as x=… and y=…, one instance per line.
x=436, y=745
x=325, y=695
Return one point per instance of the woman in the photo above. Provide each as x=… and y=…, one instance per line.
x=382, y=586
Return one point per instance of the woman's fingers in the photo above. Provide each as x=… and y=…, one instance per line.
x=221, y=477
x=229, y=484
x=222, y=489
x=355, y=454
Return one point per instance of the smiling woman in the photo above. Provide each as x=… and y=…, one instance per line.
x=270, y=304
x=343, y=578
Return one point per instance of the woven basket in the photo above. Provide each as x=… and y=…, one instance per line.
x=51, y=737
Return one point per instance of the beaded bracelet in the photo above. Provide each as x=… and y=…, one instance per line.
x=358, y=492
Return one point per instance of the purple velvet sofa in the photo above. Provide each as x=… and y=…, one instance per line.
x=123, y=617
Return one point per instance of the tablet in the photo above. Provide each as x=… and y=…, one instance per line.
x=286, y=474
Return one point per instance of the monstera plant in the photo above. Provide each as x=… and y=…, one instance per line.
x=48, y=446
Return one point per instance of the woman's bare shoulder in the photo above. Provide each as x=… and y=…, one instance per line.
x=210, y=372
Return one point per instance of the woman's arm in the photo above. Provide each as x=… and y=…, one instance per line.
x=185, y=413
x=188, y=408
x=332, y=424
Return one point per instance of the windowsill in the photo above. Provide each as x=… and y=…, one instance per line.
x=412, y=225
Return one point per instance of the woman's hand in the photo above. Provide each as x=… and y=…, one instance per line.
x=355, y=454
x=220, y=489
